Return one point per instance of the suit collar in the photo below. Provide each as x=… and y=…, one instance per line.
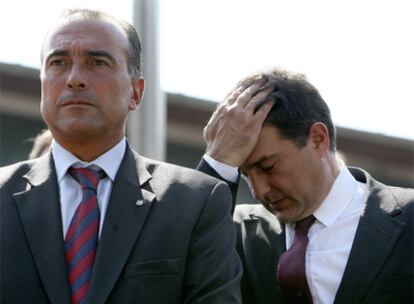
x=375, y=238
x=263, y=239
x=130, y=202
x=41, y=170
x=140, y=176
x=39, y=211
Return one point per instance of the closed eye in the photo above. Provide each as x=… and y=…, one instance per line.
x=267, y=169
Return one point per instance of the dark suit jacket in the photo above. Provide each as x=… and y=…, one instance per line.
x=380, y=266
x=178, y=247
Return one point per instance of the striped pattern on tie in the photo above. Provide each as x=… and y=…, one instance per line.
x=81, y=239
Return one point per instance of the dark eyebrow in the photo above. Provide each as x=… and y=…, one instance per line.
x=100, y=53
x=91, y=53
x=57, y=53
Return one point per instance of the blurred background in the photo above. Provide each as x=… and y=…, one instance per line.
x=357, y=53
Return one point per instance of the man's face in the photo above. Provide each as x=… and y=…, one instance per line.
x=284, y=177
x=87, y=91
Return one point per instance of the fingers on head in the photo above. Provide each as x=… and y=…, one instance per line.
x=261, y=97
x=243, y=88
x=248, y=93
x=264, y=109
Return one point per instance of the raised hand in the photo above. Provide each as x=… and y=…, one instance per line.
x=234, y=127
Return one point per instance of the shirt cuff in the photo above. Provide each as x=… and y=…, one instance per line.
x=227, y=172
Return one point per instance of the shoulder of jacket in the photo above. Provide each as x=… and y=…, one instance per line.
x=16, y=169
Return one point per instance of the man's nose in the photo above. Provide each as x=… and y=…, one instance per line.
x=259, y=186
x=76, y=79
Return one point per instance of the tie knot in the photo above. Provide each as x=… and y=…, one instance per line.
x=87, y=177
x=304, y=224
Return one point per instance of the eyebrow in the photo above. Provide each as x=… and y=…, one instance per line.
x=91, y=53
x=56, y=53
x=100, y=53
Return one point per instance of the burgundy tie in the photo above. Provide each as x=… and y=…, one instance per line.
x=291, y=269
x=82, y=236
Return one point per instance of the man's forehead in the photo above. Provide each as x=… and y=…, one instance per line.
x=258, y=160
x=78, y=27
x=95, y=33
x=269, y=146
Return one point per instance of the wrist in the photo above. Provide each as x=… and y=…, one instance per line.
x=223, y=157
x=229, y=173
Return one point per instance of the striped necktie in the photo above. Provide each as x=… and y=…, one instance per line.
x=81, y=239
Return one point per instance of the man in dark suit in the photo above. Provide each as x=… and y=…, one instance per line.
x=92, y=221
x=276, y=130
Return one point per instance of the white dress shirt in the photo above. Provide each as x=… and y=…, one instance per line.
x=70, y=190
x=332, y=234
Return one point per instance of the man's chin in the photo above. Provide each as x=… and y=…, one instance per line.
x=79, y=129
x=284, y=216
x=283, y=210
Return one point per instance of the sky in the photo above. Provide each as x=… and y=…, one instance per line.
x=358, y=53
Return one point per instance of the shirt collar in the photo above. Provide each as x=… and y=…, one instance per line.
x=109, y=161
x=338, y=197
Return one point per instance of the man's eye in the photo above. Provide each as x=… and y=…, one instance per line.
x=99, y=62
x=56, y=62
x=267, y=169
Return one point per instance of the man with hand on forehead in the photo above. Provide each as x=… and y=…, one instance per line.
x=323, y=233
x=91, y=221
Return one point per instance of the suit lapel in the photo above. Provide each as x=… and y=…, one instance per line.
x=129, y=204
x=375, y=238
x=39, y=210
x=263, y=243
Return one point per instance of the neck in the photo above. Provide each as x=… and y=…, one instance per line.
x=329, y=172
x=87, y=151
x=334, y=167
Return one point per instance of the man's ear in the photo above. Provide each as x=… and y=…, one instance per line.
x=319, y=138
x=138, y=86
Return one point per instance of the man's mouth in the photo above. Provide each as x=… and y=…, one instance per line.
x=277, y=205
x=76, y=102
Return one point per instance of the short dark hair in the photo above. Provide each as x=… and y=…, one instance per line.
x=134, y=48
x=298, y=105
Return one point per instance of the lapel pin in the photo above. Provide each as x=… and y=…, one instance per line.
x=139, y=203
